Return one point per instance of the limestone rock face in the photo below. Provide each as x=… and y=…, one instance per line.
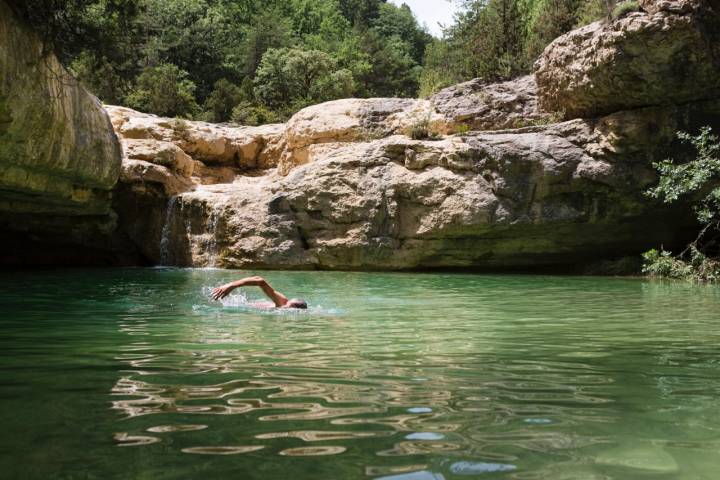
x=553, y=195
x=482, y=106
x=667, y=55
x=471, y=105
x=164, y=157
x=59, y=156
x=350, y=120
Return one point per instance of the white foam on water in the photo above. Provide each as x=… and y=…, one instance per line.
x=241, y=302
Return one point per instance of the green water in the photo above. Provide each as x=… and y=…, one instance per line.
x=135, y=374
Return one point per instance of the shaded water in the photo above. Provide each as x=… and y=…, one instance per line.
x=135, y=374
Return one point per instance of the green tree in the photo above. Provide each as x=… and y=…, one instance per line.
x=441, y=68
x=164, y=90
x=360, y=12
x=698, y=180
x=267, y=30
x=499, y=39
x=294, y=78
x=221, y=102
x=391, y=70
x=65, y=26
x=185, y=33
x=399, y=22
x=549, y=20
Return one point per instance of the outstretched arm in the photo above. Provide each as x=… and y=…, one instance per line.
x=278, y=298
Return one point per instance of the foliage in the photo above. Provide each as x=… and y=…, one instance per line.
x=289, y=76
x=68, y=26
x=696, y=176
x=165, y=90
x=462, y=128
x=550, y=19
x=441, y=69
x=247, y=113
x=422, y=129
x=268, y=58
x=219, y=105
x=255, y=59
x=593, y=10
x=699, y=267
x=699, y=179
x=623, y=8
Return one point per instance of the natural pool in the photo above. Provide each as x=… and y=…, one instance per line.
x=136, y=374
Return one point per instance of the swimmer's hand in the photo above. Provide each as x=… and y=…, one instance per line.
x=223, y=291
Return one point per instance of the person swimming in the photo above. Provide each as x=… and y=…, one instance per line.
x=280, y=300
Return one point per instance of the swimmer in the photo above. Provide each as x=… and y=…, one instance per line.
x=280, y=300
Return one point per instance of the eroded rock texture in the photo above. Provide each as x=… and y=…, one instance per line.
x=59, y=158
x=668, y=54
x=547, y=195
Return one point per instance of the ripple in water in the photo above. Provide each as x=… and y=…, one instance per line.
x=313, y=451
x=229, y=450
x=420, y=377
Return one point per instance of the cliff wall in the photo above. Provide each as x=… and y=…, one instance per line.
x=59, y=158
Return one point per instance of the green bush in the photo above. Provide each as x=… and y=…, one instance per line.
x=164, y=90
x=698, y=267
x=224, y=97
x=293, y=77
x=422, y=130
x=462, y=128
x=246, y=113
x=623, y=8
x=698, y=179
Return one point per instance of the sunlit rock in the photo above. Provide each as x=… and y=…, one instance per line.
x=667, y=55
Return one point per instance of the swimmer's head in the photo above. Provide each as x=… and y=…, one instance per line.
x=296, y=303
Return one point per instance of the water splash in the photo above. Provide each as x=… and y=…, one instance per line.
x=240, y=301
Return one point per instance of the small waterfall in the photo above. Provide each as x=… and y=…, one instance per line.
x=166, y=238
x=212, y=248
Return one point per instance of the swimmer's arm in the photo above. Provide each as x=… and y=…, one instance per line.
x=278, y=298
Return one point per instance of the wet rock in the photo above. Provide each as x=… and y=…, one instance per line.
x=564, y=194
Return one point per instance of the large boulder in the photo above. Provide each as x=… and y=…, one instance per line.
x=666, y=55
x=59, y=157
x=478, y=105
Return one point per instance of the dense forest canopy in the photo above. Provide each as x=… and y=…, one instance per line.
x=259, y=61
